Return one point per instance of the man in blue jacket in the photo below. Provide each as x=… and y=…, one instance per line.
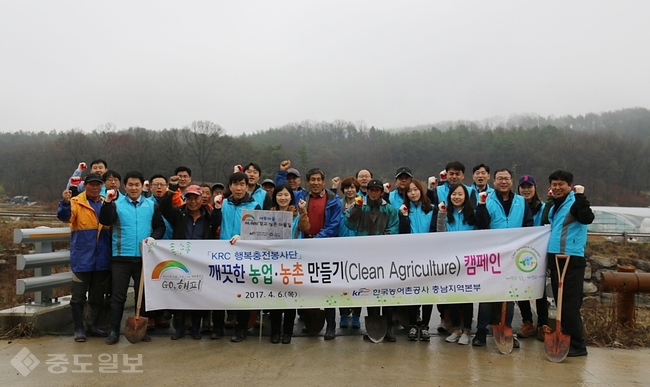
x=291, y=176
x=324, y=209
x=134, y=218
x=569, y=217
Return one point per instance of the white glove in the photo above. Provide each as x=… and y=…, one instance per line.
x=81, y=167
x=238, y=168
x=482, y=197
x=404, y=210
x=149, y=241
x=579, y=189
x=549, y=193
x=234, y=239
x=433, y=181
x=443, y=176
x=386, y=187
x=111, y=194
x=146, y=186
x=75, y=181
x=218, y=202
x=442, y=207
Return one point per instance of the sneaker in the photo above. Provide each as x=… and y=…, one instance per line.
x=344, y=321
x=216, y=334
x=442, y=328
x=480, y=338
x=452, y=338
x=543, y=331
x=275, y=338
x=527, y=330
x=464, y=339
x=356, y=324
x=424, y=333
x=238, y=337
x=413, y=333
x=286, y=338
x=575, y=352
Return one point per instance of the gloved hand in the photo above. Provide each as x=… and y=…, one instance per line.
x=111, y=194
x=442, y=207
x=358, y=200
x=443, y=176
x=404, y=210
x=81, y=167
x=578, y=189
x=549, y=193
x=238, y=168
x=482, y=197
x=234, y=239
x=218, y=202
x=386, y=187
x=432, y=181
x=75, y=181
x=146, y=186
x=149, y=240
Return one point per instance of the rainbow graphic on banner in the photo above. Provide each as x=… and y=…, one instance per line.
x=248, y=216
x=166, y=265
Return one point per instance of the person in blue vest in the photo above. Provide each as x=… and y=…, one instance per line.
x=501, y=209
x=454, y=173
x=134, y=218
x=291, y=176
x=90, y=253
x=97, y=166
x=569, y=217
x=481, y=177
x=528, y=189
x=253, y=172
x=459, y=216
x=226, y=216
x=403, y=178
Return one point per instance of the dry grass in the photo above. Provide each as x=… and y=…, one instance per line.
x=22, y=330
x=602, y=330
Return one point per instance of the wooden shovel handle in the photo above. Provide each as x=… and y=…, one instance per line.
x=141, y=287
x=560, y=286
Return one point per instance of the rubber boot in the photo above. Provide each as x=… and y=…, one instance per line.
x=94, y=316
x=78, y=318
x=179, y=323
x=356, y=324
x=116, y=323
x=330, y=317
x=196, y=326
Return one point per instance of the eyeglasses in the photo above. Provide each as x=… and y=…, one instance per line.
x=503, y=179
x=158, y=184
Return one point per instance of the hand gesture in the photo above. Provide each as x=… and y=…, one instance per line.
x=286, y=164
x=482, y=197
x=404, y=210
x=335, y=182
x=386, y=187
x=238, y=168
x=146, y=186
x=302, y=204
x=234, y=239
x=67, y=195
x=578, y=189
x=81, y=167
x=358, y=200
x=218, y=202
x=442, y=207
x=111, y=194
x=433, y=182
x=443, y=176
x=75, y=181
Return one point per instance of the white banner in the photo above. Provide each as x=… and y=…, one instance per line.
x=431, y=268
x=264, y=225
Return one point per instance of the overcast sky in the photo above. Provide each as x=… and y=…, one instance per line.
x=252, y=65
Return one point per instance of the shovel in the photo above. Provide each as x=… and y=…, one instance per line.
x=376, y=327
x=135, y=327
x=314, y=320
x=556, y=344
x=503, y=334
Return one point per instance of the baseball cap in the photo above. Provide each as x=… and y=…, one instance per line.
x=293, y=171
x=376, y=183
x=403, y=171
x=193, y=189
x=93, y=177
x=268, y=181
x=527, y=179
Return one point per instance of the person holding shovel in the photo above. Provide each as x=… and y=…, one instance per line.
x=569, y=217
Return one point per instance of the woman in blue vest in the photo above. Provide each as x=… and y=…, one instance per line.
x=417, y=215
x=283, y=200
x=458, y=217
x=528, y=189
x=350, y=188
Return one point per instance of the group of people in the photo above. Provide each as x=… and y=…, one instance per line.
x=108, y=228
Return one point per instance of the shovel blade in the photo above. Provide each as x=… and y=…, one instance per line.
x=503, y=338
x=314, y=320
x=402, y=314
x=556, y=346
x=376, y=328
x=135, y=328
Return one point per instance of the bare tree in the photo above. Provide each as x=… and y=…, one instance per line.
x=201, y=138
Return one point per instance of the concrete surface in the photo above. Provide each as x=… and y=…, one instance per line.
x=311, y=361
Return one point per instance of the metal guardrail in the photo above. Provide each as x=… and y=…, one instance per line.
x=42, y=261
x=32, y=215
x=624, y=235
